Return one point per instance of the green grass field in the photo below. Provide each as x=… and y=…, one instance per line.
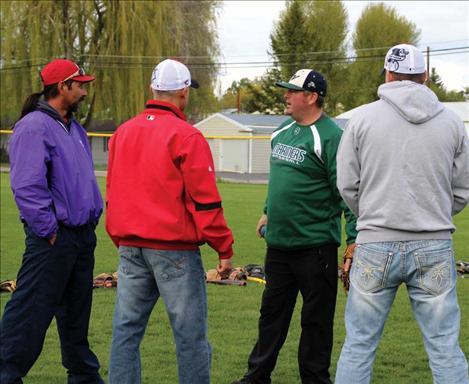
x=233, y=311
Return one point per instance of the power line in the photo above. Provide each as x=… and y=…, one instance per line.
x=361, y=49
x=189, y=57
x=105, y=61
x=449, y=53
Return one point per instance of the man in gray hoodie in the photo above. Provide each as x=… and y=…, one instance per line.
x=403, y=169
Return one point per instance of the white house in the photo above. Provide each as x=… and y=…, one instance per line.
x=240, y=142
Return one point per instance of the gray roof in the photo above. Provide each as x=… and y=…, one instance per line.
x=252, y=121
x=266, y=124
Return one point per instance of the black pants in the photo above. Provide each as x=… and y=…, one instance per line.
x=313, y=272
x=52, y=281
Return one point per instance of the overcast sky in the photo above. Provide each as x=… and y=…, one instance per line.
x=244, y=28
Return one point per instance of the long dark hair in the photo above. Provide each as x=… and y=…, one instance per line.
x=49, y=92
x=30, y=104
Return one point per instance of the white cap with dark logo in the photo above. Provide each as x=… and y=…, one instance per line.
x=171, y=75
x=404, y=58
x=306, y=80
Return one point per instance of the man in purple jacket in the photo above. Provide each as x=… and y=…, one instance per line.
x=55, y=189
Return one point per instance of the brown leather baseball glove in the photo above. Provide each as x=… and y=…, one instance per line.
x=345, y=268
x=233, y=274
x=8, y=286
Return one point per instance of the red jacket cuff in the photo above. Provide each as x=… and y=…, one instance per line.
x=227, y=254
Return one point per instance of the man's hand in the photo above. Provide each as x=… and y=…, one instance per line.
x=52, y=239
x=224, y=268
x=262, y=221
x=348, y=259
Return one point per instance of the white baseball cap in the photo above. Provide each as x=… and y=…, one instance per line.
x=404, y=58
x=171, y=75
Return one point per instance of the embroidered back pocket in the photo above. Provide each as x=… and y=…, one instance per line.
x=370, y=267
x=435, y=270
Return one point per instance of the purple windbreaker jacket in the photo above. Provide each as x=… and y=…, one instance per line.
x=52, y=173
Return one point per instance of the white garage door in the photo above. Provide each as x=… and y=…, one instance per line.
x=234, y=155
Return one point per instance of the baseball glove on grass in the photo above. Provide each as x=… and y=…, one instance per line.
x=8, y=286
x=236, y=276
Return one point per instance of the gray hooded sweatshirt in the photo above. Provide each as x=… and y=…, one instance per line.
x=403, y=165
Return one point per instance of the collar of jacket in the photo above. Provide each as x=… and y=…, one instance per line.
x=45, y=107
x=158, y=107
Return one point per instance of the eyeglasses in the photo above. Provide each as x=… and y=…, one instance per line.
x=78, y=72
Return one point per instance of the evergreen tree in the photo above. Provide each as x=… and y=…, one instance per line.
x=436, y=85
x=311, y=34
x=379, y=28
x=290, y=40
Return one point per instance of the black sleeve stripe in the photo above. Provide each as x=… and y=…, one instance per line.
x=207, y=207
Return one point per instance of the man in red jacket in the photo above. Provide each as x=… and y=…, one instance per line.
x=162, y=203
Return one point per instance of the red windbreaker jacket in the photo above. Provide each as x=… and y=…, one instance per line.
x=161, y=189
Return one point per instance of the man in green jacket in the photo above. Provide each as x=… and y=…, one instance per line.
x=302, y=227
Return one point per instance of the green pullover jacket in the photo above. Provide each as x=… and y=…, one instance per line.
x=303, y=205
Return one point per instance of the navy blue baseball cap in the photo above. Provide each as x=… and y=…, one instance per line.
x=306, y=80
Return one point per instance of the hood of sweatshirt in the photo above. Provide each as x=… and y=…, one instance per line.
x=414, y=102
x=44, y=106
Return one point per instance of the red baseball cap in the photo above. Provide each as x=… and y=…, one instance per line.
x=63, y=70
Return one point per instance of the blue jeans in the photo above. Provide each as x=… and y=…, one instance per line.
x=427, y=268
x=178, y=277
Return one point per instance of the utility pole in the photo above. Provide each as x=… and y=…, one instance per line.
x=428, y=65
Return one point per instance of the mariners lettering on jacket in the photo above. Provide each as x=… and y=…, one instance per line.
x=288, y=153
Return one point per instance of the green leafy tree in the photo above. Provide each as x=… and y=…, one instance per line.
x=379, y=28
x=118, y=41
x=266, y=97
x=465, y=93
x=229, y=98
x=311, y=34
x=259, y=95
x=239, y=90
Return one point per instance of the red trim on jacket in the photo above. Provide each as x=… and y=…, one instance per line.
x=161, y=188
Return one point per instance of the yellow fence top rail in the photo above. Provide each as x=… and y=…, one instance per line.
x=94, y=134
